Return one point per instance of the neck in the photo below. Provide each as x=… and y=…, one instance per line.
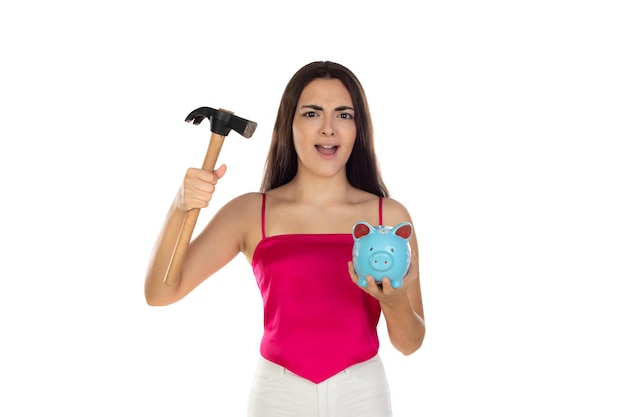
x=320, y=190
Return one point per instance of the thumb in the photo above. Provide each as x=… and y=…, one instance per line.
x=219, y=172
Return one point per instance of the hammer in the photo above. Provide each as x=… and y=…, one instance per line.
x=222, y=121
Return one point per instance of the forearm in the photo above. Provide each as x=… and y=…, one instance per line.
x=406, y=328
x=156, y=291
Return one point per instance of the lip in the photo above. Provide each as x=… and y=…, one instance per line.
x=327, y=151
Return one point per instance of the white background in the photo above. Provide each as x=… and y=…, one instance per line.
x=500, y=125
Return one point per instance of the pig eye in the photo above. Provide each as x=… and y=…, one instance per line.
x=393, y=250
x=371, y=248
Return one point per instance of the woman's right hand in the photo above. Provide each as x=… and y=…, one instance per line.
x=198, y=187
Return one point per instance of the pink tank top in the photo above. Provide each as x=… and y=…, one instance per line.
x=317, y=322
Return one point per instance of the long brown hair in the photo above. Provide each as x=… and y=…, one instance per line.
x=362, y=168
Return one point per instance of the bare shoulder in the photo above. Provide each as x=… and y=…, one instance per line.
x=243, y=206
x=395, y=212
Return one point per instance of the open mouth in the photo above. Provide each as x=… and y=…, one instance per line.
x=326, y=149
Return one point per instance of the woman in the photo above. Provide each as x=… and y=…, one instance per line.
x=319, y=351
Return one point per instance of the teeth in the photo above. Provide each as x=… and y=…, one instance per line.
x=327, y=146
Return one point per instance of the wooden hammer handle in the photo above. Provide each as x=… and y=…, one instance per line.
x=184, y=237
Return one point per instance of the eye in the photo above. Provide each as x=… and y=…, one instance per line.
x=310, y=114
x=371, y=248
x=393, y=250
x=347, y=116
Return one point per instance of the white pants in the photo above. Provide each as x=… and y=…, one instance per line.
x=360, y=390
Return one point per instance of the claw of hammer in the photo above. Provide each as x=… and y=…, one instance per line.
x=222, y=121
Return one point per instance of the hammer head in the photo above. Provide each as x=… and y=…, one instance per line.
x=222, y=121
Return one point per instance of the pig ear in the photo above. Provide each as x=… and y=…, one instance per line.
x=404, y=230
x=361, y=229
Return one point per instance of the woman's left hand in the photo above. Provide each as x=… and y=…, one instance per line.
x=383, y=291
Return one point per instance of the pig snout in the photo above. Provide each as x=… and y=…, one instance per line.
x=381, y=261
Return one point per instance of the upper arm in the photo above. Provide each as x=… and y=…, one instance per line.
x=219, y=242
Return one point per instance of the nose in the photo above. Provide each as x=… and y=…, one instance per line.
x=381, y=261
x=327, y=128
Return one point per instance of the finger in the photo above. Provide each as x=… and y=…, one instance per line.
x=219, y=172
x=201, y=175
x=198, y=189
x=387, y=285
x=352, y=272
x=372, y=286
x=207, y=176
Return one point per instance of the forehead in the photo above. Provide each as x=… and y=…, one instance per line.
x=324, y=90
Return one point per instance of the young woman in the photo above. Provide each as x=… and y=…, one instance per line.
x=319, y=351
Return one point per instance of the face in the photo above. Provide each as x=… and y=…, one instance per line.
x=324, y=129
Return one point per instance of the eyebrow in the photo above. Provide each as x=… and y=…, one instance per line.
x=316, y=107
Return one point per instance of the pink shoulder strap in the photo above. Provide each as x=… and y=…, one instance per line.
x=380, y=211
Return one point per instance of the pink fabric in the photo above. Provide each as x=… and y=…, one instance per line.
x=317, y=322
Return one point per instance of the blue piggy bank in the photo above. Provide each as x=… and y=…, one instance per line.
x=381, y=251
